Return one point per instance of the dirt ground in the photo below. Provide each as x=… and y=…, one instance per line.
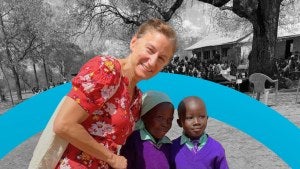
x=242, y=151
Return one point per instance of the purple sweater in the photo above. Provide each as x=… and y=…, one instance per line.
x=211, y=156
x=142, y=154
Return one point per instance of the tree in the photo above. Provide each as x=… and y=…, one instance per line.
x=8, y=85
x=19, y=22
x=65, y=57
x=34, y=60
x=116, y=20
x=227, y=22
x=132, y=12
x=264, y=16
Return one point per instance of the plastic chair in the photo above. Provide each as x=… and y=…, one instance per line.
x=258, y=80
x=298, y=87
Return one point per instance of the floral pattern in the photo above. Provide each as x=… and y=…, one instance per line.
x=111, y=108
x=88, y=85
x=65, y=164
x=101, y=129
x=101, y=90
x=107, y=91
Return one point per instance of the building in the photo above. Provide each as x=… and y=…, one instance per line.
x=220, y=49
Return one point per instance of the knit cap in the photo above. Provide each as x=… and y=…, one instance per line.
x=149, y=101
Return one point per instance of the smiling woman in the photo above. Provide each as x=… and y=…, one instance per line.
x=104, y=103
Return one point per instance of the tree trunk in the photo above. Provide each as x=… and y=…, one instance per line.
x=63, y=69
x=46, y=74
x=17, y=83
x=2, y=96
x=35, y=76
x=265, y=26
x=264, y=15
x=15, y=74
x=5, y=77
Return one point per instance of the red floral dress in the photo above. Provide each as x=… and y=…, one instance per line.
x=101, y=90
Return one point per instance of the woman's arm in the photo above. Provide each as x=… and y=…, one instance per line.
x=67, y=125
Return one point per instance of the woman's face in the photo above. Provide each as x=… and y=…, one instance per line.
x=150, y=53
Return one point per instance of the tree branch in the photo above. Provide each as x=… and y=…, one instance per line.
x=88, y=25
x=168, y=15
x=28, y=48
x=287, y=2
x=216, y=3
x=116, y=12
x=226, y=8
x=245, y=8
x=126, y=20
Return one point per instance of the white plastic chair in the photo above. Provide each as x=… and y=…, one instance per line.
x=258, y=80
x=298, y=88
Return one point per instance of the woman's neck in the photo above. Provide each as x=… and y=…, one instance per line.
x=127, y=70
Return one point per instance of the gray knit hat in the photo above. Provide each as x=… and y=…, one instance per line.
x=151, y=99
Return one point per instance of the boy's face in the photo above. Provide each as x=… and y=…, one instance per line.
x=158, y=120
x=194, y=119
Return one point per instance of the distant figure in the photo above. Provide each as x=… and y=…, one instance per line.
x=35, y=90
x=148, y=147
x=291, y=65
x=195, y=149
x=2, y=96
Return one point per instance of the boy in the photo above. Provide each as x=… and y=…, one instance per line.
x=195, y=149
x=148, y=147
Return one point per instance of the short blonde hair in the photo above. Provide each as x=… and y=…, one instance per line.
x=159, y=26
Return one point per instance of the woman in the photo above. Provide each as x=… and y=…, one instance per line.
x=104, y=102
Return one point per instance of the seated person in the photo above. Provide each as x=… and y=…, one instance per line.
x=148, y=147
x=195, y=149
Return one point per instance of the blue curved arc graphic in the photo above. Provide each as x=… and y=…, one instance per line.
x=229, y=106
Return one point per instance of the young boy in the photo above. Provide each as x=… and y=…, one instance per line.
x=195, y=149
x=148, y=147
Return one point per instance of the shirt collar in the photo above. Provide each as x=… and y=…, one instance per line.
x=145, y=135
x=185, y=140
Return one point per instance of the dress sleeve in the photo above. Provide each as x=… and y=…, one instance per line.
x=96, y=82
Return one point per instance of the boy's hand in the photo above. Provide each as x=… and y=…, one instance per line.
x=117, y=162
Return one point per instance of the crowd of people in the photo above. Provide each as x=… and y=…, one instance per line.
x=37, y=90
x=210, y=70
x=287, y=66
x=287, y=70
x=215, y=70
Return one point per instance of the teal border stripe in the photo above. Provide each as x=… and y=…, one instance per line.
x=229, y=106
x=28, y=118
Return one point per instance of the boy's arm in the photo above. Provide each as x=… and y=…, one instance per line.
x=173, y=153
x=128, y=150
x=222, y=162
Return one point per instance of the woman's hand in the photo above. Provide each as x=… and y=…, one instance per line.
x=117, y=162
